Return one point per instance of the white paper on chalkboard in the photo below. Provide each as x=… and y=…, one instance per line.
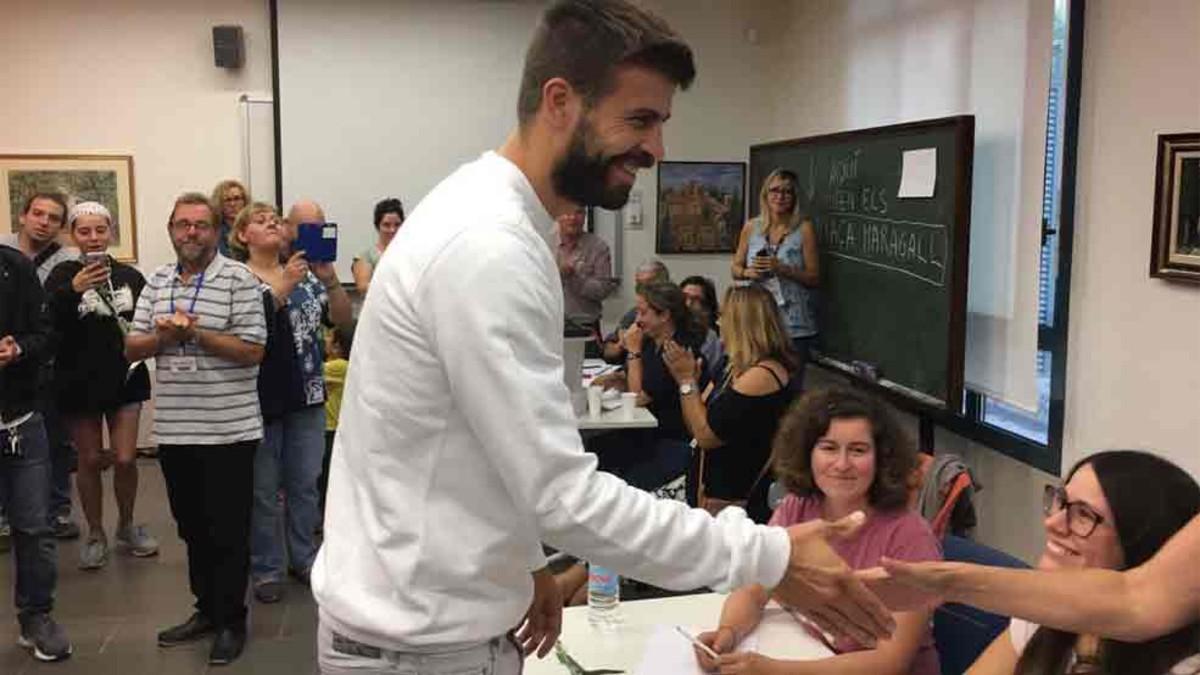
x=919, y=173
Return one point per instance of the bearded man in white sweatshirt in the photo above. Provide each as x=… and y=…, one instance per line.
x=458, y=452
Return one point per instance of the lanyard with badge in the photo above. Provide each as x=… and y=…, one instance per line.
x=183, y=363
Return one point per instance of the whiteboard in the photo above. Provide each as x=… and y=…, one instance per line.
x=258, y=146
x=382, y=98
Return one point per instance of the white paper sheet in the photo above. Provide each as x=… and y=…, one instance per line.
x=669, y=653
x=918, y=175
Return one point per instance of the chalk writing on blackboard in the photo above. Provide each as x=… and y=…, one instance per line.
x=907, y=247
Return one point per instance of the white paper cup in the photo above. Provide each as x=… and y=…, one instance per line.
x=593, y=401
x=628, y=403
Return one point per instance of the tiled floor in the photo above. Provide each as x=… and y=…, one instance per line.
x=112, y=615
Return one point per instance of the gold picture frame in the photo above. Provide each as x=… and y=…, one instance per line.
x=107, y=179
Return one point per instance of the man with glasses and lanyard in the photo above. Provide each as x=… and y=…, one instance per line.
x=202, y=320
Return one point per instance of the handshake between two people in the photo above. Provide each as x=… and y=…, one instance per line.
x=841, y=601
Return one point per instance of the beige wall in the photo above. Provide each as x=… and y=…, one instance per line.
x=1133, y=378
x=736, y=45
x=132, y=77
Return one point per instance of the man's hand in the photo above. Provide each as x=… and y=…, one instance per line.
x=176, y=328
x=822, y=586
x=543, y=622
x=906, y=586
x=9, y=350
x=566, y=265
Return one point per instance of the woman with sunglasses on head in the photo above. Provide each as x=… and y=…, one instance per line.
x=91, y=303
x=778, y=250
x=1114, y=512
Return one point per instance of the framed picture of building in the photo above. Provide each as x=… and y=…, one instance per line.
x=107, y=179
x=701, y=206
x=1175, y=238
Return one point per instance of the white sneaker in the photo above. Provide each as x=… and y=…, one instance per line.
x=94, y=553
x=137, y=541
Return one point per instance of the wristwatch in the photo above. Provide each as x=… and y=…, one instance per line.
x=687, y=388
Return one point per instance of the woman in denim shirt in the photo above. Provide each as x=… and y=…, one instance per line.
x=778, y=250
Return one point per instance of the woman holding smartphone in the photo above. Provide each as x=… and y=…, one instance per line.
x=778, y=251
x=91, y=304
x=301, y=297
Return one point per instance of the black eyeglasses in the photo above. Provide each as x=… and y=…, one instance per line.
x=1082, y=520
x=784, y=191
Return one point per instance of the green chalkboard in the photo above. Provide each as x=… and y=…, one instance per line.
x=893, y=270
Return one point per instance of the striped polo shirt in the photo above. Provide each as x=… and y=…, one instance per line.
x=217, y=403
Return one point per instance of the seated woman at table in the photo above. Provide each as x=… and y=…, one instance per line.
x=839, y=451
x=736, y=418
x=651, y=458
x=1115, y=511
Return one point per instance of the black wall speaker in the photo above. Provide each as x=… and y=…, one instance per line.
x=229, y=50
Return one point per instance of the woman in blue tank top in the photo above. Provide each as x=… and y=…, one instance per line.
x=778, y=251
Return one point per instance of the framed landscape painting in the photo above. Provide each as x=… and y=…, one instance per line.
x=701, y=206
x=107, y=179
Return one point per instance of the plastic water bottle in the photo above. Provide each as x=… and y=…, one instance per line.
x=604, y=596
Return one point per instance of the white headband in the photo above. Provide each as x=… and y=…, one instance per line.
x=88, y=209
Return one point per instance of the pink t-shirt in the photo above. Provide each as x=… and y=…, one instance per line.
x=900, y=534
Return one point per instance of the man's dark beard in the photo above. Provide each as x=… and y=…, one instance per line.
x=582, y=178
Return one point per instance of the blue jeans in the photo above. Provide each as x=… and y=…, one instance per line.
x=62, y=461
x=641, y=458
x=24, y=481
x=289, y=458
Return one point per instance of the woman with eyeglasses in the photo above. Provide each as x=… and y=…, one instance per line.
x=229, y=197
x=778, y=250
x=1114, y=512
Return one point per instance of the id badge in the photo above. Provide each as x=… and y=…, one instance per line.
x=182, y=364
x=123, y=299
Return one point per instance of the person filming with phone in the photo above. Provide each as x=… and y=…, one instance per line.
x=303, y=296
x=91, y=305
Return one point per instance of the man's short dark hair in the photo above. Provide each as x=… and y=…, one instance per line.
x=386, y=206
x=585, y=41
x=56, y=197
x=194, y=199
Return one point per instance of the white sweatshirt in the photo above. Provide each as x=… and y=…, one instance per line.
x=458, y=451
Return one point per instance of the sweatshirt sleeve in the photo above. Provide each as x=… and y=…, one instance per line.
x=496, y=325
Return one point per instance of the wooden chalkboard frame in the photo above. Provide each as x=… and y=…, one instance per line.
x=963, y=128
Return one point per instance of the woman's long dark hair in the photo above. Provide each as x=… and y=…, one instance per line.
x=1150, y=499
x=665, y=296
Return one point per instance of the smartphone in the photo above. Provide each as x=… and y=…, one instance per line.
x=318, y=241
x=97, y=257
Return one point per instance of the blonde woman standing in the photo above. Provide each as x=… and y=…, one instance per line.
x=229, y=197
x=778, y=251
